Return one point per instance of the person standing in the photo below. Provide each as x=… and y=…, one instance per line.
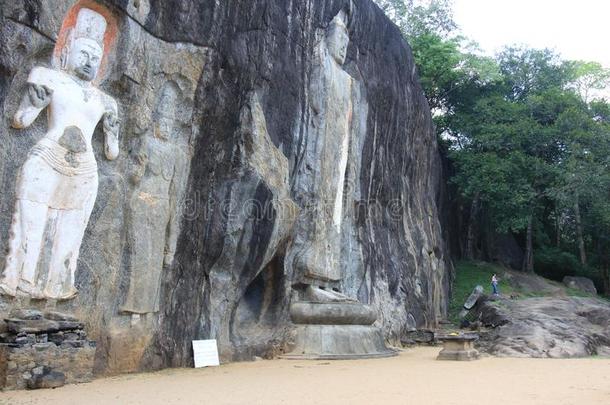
x=494, y=284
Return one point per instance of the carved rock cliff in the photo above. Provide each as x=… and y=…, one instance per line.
x=232, y=82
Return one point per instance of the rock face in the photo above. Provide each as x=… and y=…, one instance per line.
x=545, y=327
x=580, y=283
x=202, y=224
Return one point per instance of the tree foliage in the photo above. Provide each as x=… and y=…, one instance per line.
x=527, y=132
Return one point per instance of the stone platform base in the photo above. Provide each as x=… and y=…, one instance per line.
x=44, y=350
x=45, y=365
x=337, y=342
x=458, y=348
x=459, y=355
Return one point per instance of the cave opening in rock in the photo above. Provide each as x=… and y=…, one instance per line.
x=259, y=312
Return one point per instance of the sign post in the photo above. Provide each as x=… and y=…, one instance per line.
x=205, y=353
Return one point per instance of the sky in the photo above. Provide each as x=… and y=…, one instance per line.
x=577, y=29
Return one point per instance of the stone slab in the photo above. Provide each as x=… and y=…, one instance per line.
x=26, y=314
x=41, y=326
x=332, y=313
x=338, y=342
x=59, y=316
x=473, y=297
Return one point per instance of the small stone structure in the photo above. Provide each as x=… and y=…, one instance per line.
x=459, y=347
x=44, y=351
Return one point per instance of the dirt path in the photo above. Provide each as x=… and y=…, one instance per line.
x=414, y=377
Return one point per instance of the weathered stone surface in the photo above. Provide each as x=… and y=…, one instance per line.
x=58, y=316
x=423, y=336
x=383, y=173
x=45, y=377
x=44, y=353
x=580, y=283
x=335, y=330
x=26, y=314
x=335, y=342
x=40, y=326
x=218, y=121
x=473, y=297
x=43, y=365
x=458, y=347
x=545, y=327
x=338, y=313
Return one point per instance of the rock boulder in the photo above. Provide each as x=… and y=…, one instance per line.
x=545, y=327
x=580, y=283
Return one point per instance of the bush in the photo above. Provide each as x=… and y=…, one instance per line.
x=555, y=264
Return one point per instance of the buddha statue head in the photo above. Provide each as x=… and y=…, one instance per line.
x=83, y=52
x=337, y=38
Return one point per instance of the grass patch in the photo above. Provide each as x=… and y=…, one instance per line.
x=469, y=274
x=574, y=292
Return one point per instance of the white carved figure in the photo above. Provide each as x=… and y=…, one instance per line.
x=331, y=100
x=57, y=185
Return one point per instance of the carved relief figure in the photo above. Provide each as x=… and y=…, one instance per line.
x=157, y=174
x=331, y=101
x=57, y=185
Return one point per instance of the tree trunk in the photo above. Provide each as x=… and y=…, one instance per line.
x=557, y=229
x=471, y=234
x=528, y=258
x=606, y=278
x=579, y=237
x=604, y=267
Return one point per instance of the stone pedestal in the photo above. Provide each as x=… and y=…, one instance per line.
x=458, y=347
x=44, y=351
x=333, y=331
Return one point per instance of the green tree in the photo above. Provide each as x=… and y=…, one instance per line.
x=529, y=140
x=587, y=78
x=449, y=66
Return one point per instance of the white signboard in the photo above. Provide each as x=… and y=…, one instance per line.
x=205, y=353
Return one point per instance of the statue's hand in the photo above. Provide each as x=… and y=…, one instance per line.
x=141, y=158
x=40, y=95
x=110, y=122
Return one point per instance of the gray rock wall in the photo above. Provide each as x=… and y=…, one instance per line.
x=239, y=74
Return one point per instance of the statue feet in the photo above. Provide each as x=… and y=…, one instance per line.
x=6, y=290
x=71, y=293
x=317, y=294
x=26, y=289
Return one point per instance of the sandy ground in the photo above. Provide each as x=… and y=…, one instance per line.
x=414, y=377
